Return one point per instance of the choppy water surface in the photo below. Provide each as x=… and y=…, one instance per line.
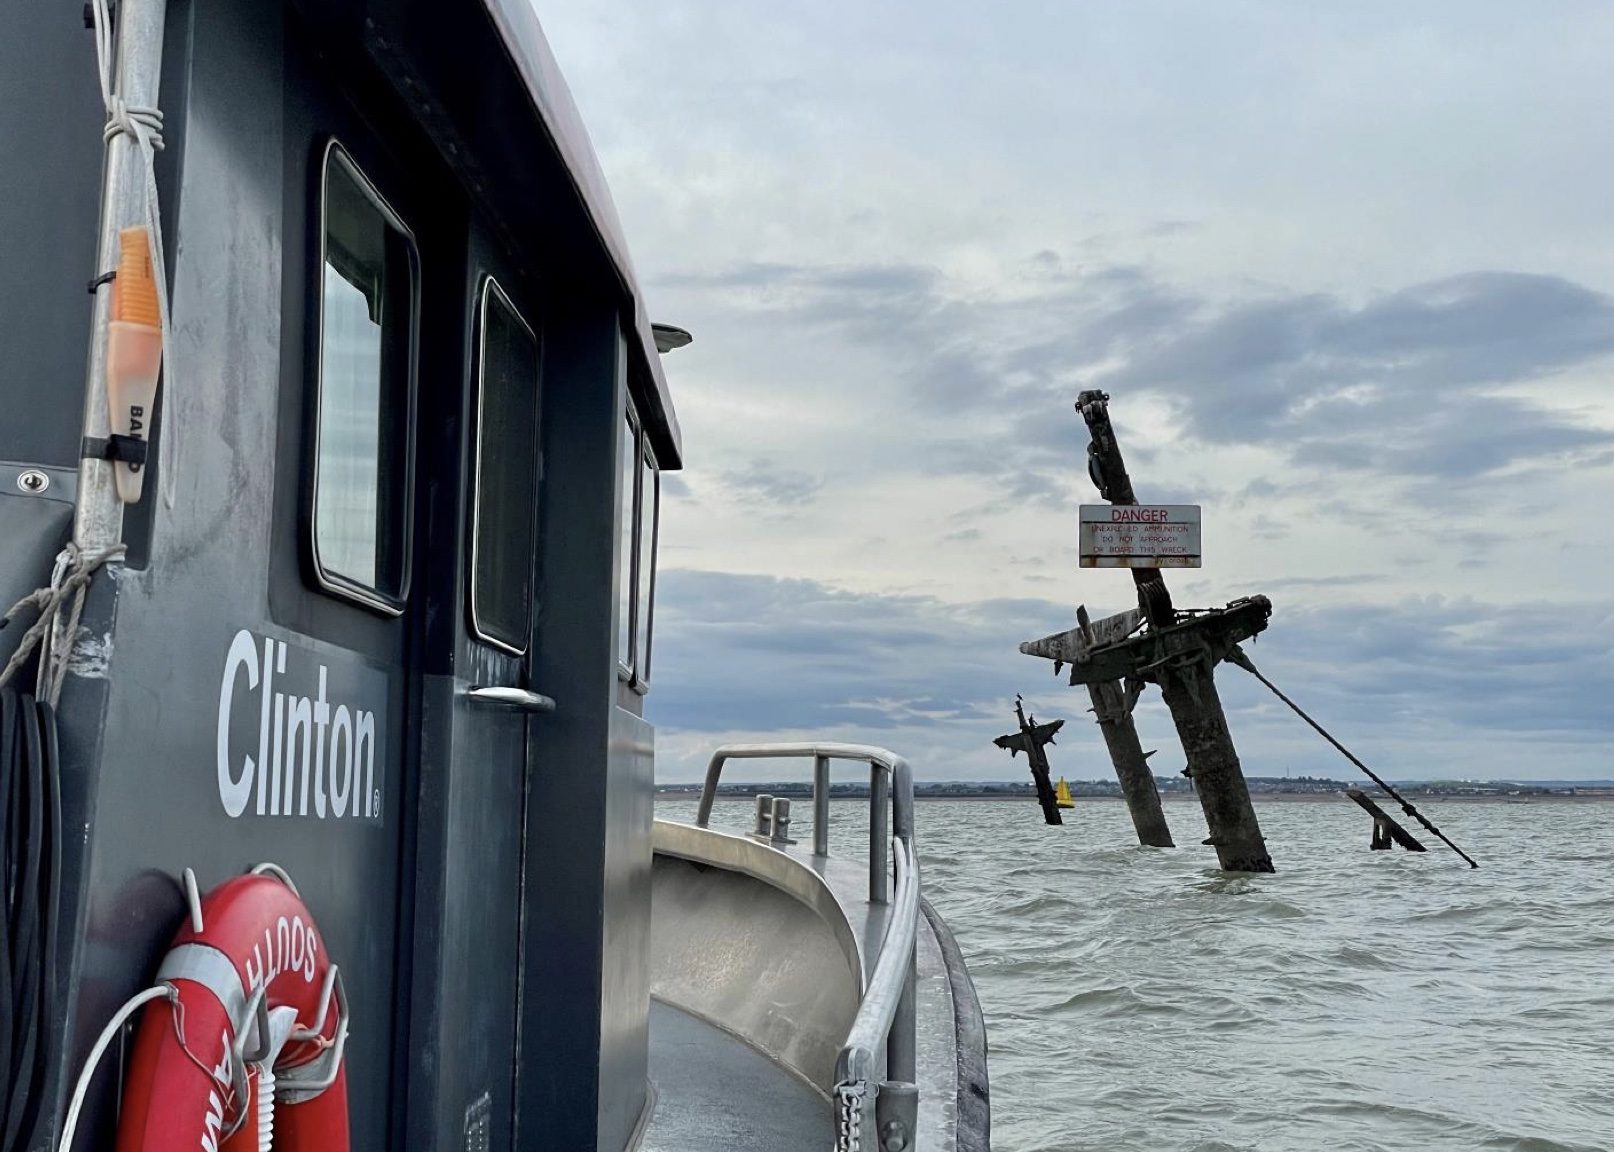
x=1140, y=999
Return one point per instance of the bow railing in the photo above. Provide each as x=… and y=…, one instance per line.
x=884, y=1023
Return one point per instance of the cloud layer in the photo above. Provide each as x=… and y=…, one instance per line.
x=1333, y=265
x=1427, y=687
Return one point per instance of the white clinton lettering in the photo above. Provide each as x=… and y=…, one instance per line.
x=310, y=749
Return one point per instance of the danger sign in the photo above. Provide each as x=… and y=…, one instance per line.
x=1140, y=536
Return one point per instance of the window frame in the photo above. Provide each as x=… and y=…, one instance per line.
x=490, y=286
x=628, y=570
x=646, y=470
x=331, y=582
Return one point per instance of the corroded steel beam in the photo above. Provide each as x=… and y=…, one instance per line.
x=1032, y=738
x=1179, y=652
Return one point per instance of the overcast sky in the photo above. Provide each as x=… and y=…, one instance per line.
x=1347, y=271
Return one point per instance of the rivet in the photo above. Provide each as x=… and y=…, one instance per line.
x=33, y=481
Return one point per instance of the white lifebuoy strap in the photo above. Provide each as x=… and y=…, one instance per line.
x=212, y=969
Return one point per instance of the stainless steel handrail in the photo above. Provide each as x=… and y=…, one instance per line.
x=889, y=776
x=886, y=1014
x=885, y=1017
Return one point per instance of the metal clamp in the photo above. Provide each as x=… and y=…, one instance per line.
x=254, y=1023
x=130, y=450
x=310, y=1079
x=316, y=1030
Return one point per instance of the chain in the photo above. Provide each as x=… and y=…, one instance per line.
x=849, y=1116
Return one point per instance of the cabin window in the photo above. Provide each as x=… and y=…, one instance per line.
x=364, y=453
x=506, y=474
x=640, y=486
x=645, y=564
x=627, y=534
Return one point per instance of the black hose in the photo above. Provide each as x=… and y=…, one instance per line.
x=8, y=840
x=50, y=893
x=31, y=863
x=51, y=776
x=29, y=934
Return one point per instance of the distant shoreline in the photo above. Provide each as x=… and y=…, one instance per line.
x=1180, y=798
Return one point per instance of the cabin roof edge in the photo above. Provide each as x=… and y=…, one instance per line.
x=524, y=39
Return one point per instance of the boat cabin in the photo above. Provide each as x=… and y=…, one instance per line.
x=380, y=623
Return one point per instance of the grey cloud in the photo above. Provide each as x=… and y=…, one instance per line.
x=1420, y=670
x=1338, y=580
x=763, y=482
x=1407, y=384
x=1398, y=385
x=769, y=654
x=1406, y=683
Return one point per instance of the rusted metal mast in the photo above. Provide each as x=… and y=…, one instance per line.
x=1385, y=829
x=1108, y=472
x=1180, y=655
x=1112, y=707
x=1031, y=739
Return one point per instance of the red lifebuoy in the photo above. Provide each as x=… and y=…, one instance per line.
x=256, y=970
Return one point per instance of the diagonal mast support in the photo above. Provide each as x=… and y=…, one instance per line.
x=1112, y=708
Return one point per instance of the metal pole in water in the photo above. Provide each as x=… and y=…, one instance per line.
x=1031, y=739
x=1189, y=689
x=1186, y=676
x=1127, y=754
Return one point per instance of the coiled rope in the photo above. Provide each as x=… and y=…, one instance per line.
x=53, y=635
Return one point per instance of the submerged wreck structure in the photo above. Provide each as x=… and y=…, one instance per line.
x=1178, y=650
x=1033, y=739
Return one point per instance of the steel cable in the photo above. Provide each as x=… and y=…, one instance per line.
x=1237, y=656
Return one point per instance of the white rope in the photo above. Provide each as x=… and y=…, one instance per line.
x=50, y=633
x=119, y=1018
x=145, y=125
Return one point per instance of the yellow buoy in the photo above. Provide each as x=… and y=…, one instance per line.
x=1062, y=794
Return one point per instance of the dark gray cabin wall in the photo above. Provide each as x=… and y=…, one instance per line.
x=50, y=193
x=157, y=807
x=144, y=786
x=566, y=1046
x=625, y=992
x=473, y=782
x=145, y=783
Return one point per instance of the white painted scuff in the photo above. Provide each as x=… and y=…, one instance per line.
x=91, y=656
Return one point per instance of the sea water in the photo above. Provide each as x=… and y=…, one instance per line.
x=1138, y=998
